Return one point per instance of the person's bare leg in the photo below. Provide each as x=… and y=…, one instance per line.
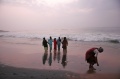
x=90, y=66
x=93, y=67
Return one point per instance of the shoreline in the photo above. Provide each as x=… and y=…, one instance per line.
x=8, y=72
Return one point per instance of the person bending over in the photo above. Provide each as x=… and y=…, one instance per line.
x=91, y=56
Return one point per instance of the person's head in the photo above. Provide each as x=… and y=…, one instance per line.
x=100, y=49
x=54, y=38
x=59, y=37
x=50, y=37
x=44, y=38
x=64, y=38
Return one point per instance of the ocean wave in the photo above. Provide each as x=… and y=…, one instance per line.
x=26, y=43
x=114, y=41
x=94, y=37
x=3, y=31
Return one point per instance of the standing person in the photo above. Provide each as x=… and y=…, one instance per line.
x=59, y=43
x=64, y=43
x=50, y=43
x=91, y=57
x=44, y=43
x=55, y=44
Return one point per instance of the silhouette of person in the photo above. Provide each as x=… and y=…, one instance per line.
x=59, y=43
x=91, y=57
x=45, y=57
x=50, y=43
x=64, y=58
x=58, y=56
x=64, y=43
x=90, y=71
x=55, y=44
x=44, y=43
x=54, y=55
x=50, y=59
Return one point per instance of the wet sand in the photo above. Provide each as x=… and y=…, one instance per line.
x=7, y=72
x=26, y=59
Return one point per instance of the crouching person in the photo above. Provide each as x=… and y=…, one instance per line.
x=91, y=57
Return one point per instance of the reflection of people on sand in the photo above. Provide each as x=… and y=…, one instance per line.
x=45, y=57
x=59, y=43
x=44, y=43
x=91, y=71
x=50, y=43
x=54, y=55
x=91, y=57
x=50, y=59
x=64, y=58
x=58, y=56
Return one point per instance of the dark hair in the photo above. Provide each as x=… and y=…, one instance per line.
x=64, y=38
x=50, y=37
x=100, y=49
x=44, y=38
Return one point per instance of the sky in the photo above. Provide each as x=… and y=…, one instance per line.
x=48, y=14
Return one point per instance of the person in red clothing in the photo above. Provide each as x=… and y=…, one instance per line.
x=55, y=44
x=91, y=57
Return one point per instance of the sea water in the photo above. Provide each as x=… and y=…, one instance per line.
x=96, y=34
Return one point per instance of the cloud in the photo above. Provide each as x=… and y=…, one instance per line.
x=49, y=3
x=83, y=10
x=65, y=13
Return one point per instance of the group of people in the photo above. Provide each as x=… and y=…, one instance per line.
x=57, y=43
x=90, y=55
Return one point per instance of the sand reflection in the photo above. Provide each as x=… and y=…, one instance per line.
x=45, y=57
x=56, y=58
x=64, y=58
x=50, y=59
x=91, y=71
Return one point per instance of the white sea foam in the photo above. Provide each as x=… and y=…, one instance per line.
x=95, y=37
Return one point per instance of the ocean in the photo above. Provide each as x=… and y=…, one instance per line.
x=98, y=34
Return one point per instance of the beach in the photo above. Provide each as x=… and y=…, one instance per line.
x=22, y=58
x=86, y=24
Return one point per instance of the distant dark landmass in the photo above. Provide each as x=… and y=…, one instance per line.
x=3, y=31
